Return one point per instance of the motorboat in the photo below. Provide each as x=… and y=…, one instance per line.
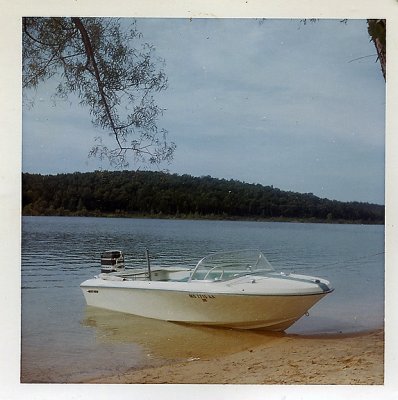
x=234, y=289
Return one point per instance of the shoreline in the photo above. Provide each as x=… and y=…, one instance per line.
x=334, y=359
x=192, y=217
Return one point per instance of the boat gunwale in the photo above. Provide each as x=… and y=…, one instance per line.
x=120, y=285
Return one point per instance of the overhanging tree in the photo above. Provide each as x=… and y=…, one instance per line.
x=97, y=60
x=377, y=32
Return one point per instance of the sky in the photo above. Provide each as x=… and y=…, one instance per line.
x=275, y=102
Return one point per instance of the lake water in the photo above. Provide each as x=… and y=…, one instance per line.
x=65, y=341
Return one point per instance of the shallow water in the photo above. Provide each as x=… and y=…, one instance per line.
x=65, y=341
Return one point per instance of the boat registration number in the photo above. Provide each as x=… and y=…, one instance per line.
x=203, y=297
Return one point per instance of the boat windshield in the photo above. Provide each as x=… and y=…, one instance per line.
x=232, y=264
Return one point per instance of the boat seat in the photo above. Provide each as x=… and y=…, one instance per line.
x=179, y=280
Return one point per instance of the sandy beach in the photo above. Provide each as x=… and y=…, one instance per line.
x=292, y=359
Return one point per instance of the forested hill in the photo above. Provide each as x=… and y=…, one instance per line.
x=157, y=194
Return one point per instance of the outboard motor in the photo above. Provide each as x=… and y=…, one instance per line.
x=112, y=260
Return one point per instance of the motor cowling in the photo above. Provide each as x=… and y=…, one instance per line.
x=112, y=260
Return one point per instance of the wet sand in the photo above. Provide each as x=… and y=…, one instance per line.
x=356, y=359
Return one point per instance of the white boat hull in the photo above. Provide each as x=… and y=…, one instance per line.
x=187, y=302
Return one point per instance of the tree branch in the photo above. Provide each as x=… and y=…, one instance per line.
x=91, y=60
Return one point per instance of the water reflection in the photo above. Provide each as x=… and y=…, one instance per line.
x=172, y=341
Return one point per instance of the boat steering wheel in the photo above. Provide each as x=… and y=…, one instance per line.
x=212, y=269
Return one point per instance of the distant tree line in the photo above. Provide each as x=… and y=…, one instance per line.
x=158, y=194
